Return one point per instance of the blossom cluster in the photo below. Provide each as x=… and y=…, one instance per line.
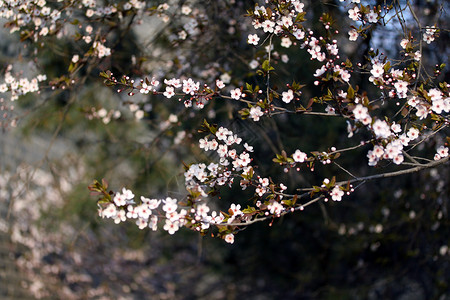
x=202, y=180
x=390, y=138
x=149, y=212
x=286, y=21
x=20, y=86
x=16, y=86
x=278, y=24
x=188, y=90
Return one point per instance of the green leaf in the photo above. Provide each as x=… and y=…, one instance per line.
x=387, y=66
x=249, y=210
x=350, y=92
x=266, y=66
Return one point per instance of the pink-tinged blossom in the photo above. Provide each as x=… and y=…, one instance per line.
x=413, y=101
x=109, y=212
x=244, y=159
x=236, y=209
x=213, y=144
x=299, y=34
x=329, y=109
x=75, y=58
x=151, y=203
x=171, y=227
x=354, y=13
x=446, y=107
x=441, y=152
x=154, y=82
x=298, y=6
x=422, y=111
x=353, y=35
x=119, y=199
x=404, y=43
x=101, y=50
x=120, y=216
x=264, y=181
x=396, y=73
x=132, y=212
x=401, y=87
x=381, y=129
x=202, y=210
x=222, y=133
x=213, y=168
x=319, y=72
x=287, y=96
x=223, y=150
x=236, y=139
x=438, y=106
x=256, y=24
x=128, y=194
x=396, y=128
x=342, y=94
x=190, y=87
x=398, y=159
x=141, y=223
x=286, y=42
x=248, y=147
x=220, y=85
x=173, y=82
x=153, y=223
x=253, y=64
x=345, y=75
x=253, y=39
x=377, y=70
x=372, y=17
x=186, y=10
x=393, y=149
x=255, y=113
x=378, y=151
x=232, y=153
x=216, y=218
x=333, y=49
x=236, y=94
x=428, y=36
x=360, y=112
x=299, y=156
x=275, y=208
x=435, y=94
x=260, y=191
x=373, y=159
x=286, y=21
x=203, y=144
x=229, y=238
x=169, y=92
x=336, y=194
x=170, y=205
x=224, y=162
x=143, y=211
x=417, y=56
x=268, y=26
x=413, y=133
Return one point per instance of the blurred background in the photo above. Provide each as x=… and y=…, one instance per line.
x=388, y=240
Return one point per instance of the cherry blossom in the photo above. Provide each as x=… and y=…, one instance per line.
x=299, y=156
x=336, y=194
x=253, y=39
x=387, y=138
x=236, y=93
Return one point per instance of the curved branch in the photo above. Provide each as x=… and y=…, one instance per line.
x=398, y=173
